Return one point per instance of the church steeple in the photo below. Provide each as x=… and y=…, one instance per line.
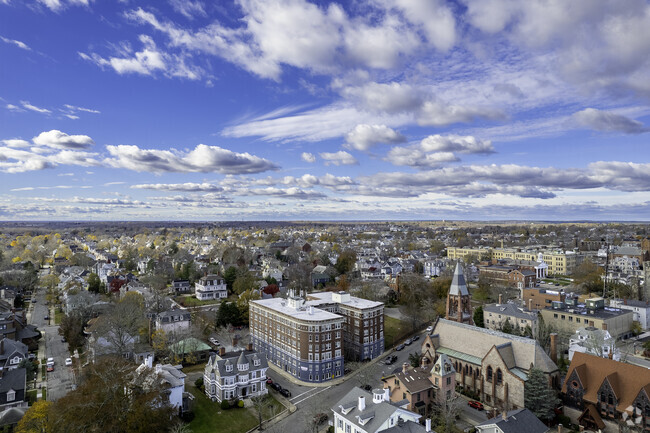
x=459, y=308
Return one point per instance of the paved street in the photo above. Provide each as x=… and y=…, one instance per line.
x=313, y=400
x=60, y=381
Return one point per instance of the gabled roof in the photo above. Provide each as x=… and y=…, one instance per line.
x=458, y=284
x=381, y=411
x=218, y=364
x=477, y=342
x=517, y=421
x=626, y=380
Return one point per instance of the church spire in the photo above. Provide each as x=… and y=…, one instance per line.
x=459, y=308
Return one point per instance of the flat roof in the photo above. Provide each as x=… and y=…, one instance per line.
x=281, y=306
x=354, y=301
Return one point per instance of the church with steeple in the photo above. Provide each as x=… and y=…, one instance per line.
x=459, y=308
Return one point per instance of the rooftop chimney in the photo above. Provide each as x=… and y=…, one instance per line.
x=222, y=351
x=500, y=298
x=405, y=367
x=554, y=347
x=387, y=394
x=362, y=403
x=249, y=346
x=604, y=326
x=427, y=426
x=504, y=415
x=530, y=304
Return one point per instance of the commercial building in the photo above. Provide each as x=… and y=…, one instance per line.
x=536, y=299
x=551, y=260
x=309, y=338
x=509, y=276
x=569, y=318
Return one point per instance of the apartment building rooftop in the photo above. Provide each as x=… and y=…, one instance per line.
x=343, y=298
x=297, y=308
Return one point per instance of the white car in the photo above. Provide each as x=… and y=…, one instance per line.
x=429, y=329
x=68, y=361
x=214, y=341
x=50, y=362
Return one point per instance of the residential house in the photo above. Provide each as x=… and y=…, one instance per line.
x=422, y=387
x=13, y=325
x=490, y=363
x=11, y=353
x=641, y=310
x=173, y=379
x=181, y=287
x=13, y=384
x=173, y=321
x=599, y=393
x=361, y=412
x=210, y=287
x=235, y=375
x=190, y=350
x=514, y=421
x=594, y=341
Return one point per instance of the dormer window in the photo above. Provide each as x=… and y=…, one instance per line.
x=228, y=367
x=11, y=395
x=256, y=362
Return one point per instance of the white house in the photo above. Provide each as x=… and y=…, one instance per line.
x=641, y=310
x=361, y=412
x=172, y=378
x=235, y=375
x=595, y=341
x=173, y=321
x=211, y=287
x=433, y=268
x=11, y=353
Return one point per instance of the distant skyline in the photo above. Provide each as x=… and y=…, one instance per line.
x=300, y=110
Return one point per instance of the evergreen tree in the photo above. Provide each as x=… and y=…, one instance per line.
x=228, y=314
x=538, y=396
x=94, y=283
x=507, y=327
x=478, y=317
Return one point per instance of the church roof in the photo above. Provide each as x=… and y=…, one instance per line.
x=458, y=285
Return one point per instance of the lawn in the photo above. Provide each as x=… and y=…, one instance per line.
x=209, y=417
x=58, y=314
x=394, y=331
x=190, y=301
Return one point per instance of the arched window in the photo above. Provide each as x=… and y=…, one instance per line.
x=610, y=399
x=603, y=397
x=499, y=376
x=489, y=374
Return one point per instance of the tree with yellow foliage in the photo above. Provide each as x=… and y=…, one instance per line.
x=36, y=419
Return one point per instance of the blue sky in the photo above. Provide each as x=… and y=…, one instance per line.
x=292, y=109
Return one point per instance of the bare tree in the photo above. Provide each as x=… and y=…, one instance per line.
x=448, y=411
x=121, y=325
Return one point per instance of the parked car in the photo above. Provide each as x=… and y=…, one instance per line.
x=63, y=340
x=429, y=329
x=269, y=381
x=276, y=386
x=68, y=362
x=475, y=404
x=367, y=387
x=390, y=359
x=347, y=371
x=408, y=341
x=320, y=418
x=285, y=392
x=50, y=362
x=400, y=347
x=46, y=318
x=50, y=368
x=415, y=338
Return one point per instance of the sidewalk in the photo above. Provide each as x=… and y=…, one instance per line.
x=332, y=382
